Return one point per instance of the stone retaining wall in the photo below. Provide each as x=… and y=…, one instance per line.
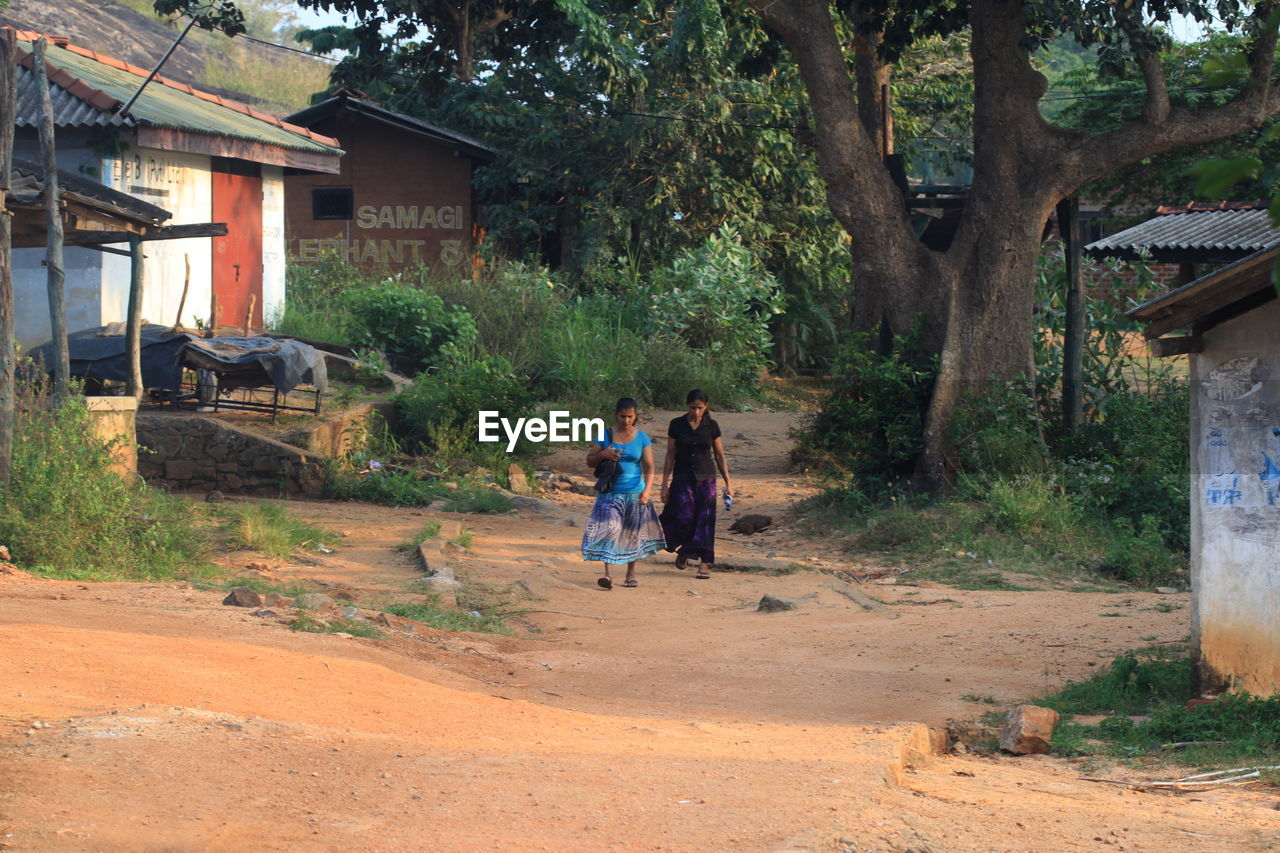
x=198, y=453
x=336, y=435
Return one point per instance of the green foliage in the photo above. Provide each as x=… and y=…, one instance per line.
x=412, y=326
x=390, y=487
x=718, y=300
x=447, y=399
x=67, y=514
x=309, y=624
x=270, y=528
x=430, y=531
x=315, y=307
x=470, y=498
x=1201, y=75
x=871, y=427
x=1154, y=685
x=489, y=620
x=1134, y=683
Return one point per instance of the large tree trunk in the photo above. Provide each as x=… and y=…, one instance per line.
x=975, y=299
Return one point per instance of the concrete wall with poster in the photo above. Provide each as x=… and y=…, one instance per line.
x=401, y=199
x=179, y=183
x=1235, y=504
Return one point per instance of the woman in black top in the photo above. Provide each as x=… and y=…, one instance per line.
x=694, y=452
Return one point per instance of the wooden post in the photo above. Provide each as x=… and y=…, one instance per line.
x=248, y=315
x=182, y=303
x=133, y=330
x=8, y=110
x=1073, y=336
x=212, y=331
x=53, y=207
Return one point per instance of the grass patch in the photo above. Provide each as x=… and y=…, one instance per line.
x=430, y=531
x=270, y=528
x=463, y=540
x=430, y=612
x=477, y=499
x=1144, y=694
x=355, y=627
x=980, y=699
x=771, y=571
x=68, y=514
x=1025, y=535
x=387, y=487
x=262, y=586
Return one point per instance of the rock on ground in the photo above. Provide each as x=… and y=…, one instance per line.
x=1028, y=730
x=773, y=604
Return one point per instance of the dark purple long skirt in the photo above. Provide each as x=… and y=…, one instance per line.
x=689, y=519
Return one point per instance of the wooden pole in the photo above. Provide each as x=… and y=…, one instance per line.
x=213, y=317
x=1073, y=336
x=133, y=329
x=8, y=110
x=53, y=207
x=182, y=303
x=248, y=315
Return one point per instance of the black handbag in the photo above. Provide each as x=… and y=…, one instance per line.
x=607, y=470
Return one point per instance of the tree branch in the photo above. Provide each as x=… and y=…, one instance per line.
x=861, y=193
x=1155, y=110
x=500, y=14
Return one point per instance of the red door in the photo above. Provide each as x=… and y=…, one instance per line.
x=237, y=257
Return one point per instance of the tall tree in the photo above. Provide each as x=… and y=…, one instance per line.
x=976, y=297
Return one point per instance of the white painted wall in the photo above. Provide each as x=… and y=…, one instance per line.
x=179, y=183
x=82, y=267
x=274, y=245
x=97, y=284
x=1235, y=506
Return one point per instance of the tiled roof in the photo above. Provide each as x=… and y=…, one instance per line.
x=105, y=83
x=1220, y=232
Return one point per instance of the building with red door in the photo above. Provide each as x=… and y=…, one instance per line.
x=402, y=197
x=201, y=157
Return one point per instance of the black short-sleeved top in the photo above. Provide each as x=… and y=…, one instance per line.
x=693, y=448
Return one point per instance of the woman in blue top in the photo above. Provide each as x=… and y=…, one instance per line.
x=623, y=526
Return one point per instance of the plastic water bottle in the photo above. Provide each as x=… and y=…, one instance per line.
x=728, y=501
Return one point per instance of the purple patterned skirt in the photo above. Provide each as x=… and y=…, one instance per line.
x=621, y=530
x=689, y=520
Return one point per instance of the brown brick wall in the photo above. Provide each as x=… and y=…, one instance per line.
x=412, y=200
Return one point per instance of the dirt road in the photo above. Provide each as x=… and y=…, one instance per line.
x=673, y=716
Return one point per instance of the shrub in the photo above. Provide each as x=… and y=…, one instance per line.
x=872, y=426
x=269, y=527
x=448, y=398
x=67, y=513
x=410, y=325
x=719, y=301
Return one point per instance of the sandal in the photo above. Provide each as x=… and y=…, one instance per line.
x=681, y=562
x=605, y=583
x=702, y=575
x=631, y=582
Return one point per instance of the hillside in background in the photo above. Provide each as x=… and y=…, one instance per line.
x=271, y=79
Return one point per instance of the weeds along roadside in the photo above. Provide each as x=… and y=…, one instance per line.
x=1031, y=505
x=68, y=514
x=1142, y=711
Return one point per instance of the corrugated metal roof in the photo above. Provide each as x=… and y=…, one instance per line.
x=68, y=110
x=1230, y=231
x=28, y=184
x=100, y=80
x=469, y=146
